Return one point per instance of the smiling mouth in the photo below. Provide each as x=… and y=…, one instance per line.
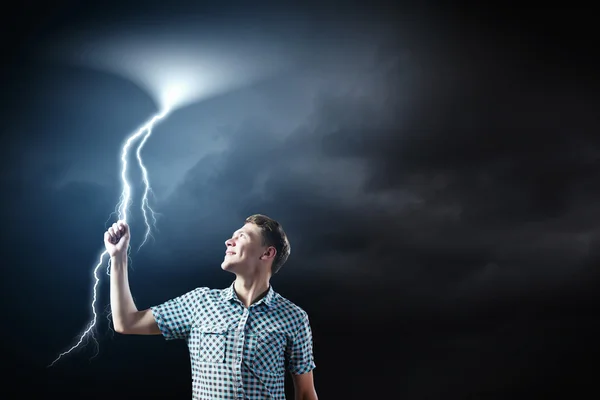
x=229, y=253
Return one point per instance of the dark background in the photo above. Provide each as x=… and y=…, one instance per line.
x=438, y=179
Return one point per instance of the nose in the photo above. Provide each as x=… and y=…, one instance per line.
x=229, y=243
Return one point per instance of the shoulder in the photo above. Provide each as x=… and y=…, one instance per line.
x=289, y=308
x=199, y=291
x=193, y=296
x=214, y=293
x=205, y=293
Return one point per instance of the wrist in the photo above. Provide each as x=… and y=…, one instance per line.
x=118, y=260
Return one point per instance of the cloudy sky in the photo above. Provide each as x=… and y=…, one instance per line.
x=436, y=171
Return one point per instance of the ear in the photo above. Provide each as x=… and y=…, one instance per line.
x=269, y=253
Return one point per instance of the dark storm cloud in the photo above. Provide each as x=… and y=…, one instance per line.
x=455, y=169
x=336, y=227
x=501, y=159
x=431, y=162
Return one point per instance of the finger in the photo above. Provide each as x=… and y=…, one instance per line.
x=113, y=233
x=109, y=238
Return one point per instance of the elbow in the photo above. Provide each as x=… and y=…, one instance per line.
x=306, y=395
x=119, y=327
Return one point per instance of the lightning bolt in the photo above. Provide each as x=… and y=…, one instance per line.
x=147, y=188
x=122, y=210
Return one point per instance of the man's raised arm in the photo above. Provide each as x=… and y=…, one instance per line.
x=125, y=315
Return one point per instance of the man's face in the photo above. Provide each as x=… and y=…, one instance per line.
x=244, y=249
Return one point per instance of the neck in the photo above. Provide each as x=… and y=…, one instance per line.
x=251, y=289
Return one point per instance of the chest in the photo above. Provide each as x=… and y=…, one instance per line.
x=232, y=334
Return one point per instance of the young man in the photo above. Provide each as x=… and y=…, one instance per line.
x=241, y=339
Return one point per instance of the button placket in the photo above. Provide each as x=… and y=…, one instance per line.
x=239, y=347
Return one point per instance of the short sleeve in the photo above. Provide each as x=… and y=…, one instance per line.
x=175, y=317
x=299, y=354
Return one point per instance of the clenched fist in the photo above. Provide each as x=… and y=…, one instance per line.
x=116, y=239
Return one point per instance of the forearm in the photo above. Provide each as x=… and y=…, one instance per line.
x=122, y=306
x=304, y=386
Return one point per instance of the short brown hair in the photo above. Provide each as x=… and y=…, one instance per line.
x=273, y=235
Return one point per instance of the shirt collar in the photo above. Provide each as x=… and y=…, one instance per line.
x=268, y=299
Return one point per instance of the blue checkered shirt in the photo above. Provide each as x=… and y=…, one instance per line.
x=237, y=352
